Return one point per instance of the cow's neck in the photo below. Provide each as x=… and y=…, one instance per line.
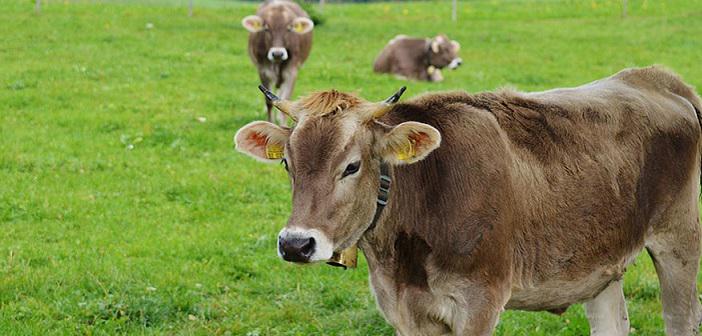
x=394, y=218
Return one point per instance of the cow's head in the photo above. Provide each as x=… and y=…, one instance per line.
x=444, y=53
x=333, y=156
x=281, y=29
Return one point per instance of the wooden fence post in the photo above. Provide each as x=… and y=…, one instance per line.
x=625, y=4
x=190, y=8
x=37, y=6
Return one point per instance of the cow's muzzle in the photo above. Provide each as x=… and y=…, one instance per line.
x=277, y=54
x=455, y=63
x=303, y=245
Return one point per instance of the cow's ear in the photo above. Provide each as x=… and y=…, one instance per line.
x=408, y=143
x=253, y=23
x=302, y=25
x=456, y=45
x=262, y=140
x=436, y=43
x=435, y=46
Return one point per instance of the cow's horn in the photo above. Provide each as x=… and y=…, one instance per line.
x=385, y=105
x=394, y=98
x=280, y=104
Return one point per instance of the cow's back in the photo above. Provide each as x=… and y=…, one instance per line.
x=402, y=56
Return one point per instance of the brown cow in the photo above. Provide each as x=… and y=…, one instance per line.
x=503, y=200
x=418, y=58
x=279, y=43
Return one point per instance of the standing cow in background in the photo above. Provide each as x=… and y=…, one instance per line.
x=279, y=43
x=418, y=58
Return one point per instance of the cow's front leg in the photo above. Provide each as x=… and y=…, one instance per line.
x=480, y=321
x=405, y=307
x=413, y=315
x=479, y=313
x=423, y=312
x=266, y=79
x=286, y=88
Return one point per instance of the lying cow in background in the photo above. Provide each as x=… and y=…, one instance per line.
x=503, y=200
x=280, y=40
x=418, y=58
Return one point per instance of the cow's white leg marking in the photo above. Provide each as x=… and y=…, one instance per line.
x=323, y=247
x=607, y=312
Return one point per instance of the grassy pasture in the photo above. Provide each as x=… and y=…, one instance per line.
x=124, y=209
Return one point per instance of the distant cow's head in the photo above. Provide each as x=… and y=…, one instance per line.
x=281, y=29
x=333, y=156
x=444, y=53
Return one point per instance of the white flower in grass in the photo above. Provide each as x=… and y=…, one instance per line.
x=149, y=25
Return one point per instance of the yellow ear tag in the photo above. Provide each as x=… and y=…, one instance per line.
x=431, y=69
x=274, y=151
x=406, y=152
x=298, y=27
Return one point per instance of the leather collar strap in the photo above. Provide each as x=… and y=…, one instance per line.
x=383, y=193
x=429, y=52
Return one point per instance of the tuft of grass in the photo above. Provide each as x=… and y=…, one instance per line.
x=125, y=210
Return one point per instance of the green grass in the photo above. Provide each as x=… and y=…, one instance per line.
x=121, y=213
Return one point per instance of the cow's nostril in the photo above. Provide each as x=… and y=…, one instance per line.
x=296, y=249
x=308, y=247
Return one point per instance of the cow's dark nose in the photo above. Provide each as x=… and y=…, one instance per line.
x=278, y=54
x=296, y=249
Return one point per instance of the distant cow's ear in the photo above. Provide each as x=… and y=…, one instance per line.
x=456, y=46
x=436, y=43
x=435, y=46
x=302, y=25
x=253, y=23
x=262, y=140
x=409, y=142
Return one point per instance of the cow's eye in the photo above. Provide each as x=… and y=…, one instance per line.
x=351, y=169
x=284, y=162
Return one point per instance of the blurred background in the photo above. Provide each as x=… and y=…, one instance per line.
x=125, y=210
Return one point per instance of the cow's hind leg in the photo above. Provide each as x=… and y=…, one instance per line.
x=607, y=312
x=675, y=251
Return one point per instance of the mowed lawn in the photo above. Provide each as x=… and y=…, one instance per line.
x=125, y=210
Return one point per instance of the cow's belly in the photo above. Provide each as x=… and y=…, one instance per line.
x=557, y=293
